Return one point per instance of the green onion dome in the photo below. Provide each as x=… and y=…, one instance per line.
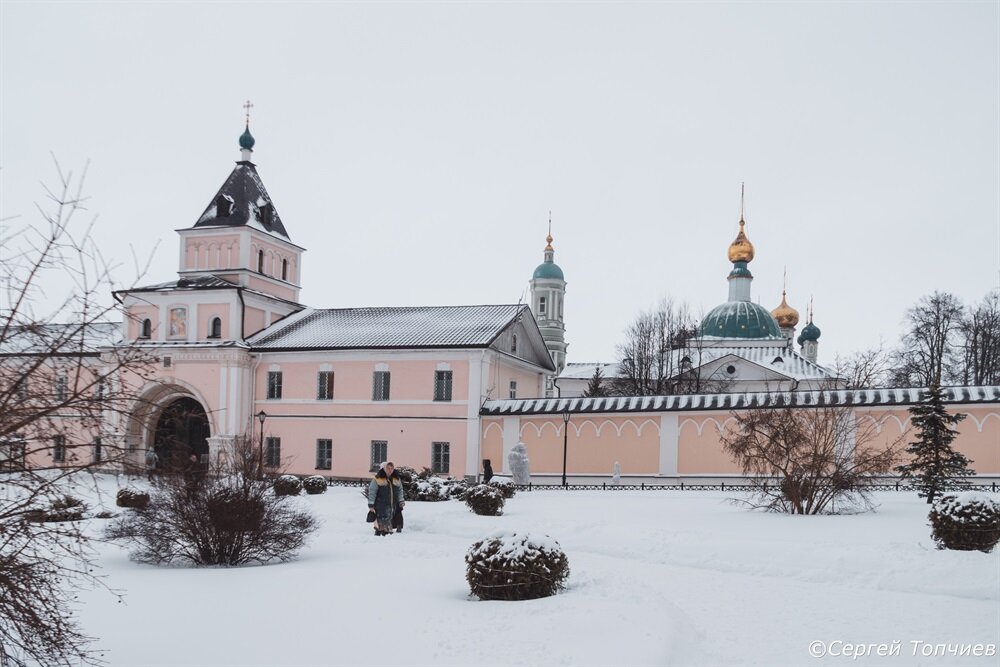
x=809, y=332
x=246, y=139
x=740, y=319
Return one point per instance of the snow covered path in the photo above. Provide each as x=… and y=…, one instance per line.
x=658, y=578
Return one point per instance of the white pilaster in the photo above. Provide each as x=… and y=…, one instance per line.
x=669, y=449
x=511, y=436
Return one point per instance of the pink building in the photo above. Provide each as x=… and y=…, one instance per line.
x=338, y=390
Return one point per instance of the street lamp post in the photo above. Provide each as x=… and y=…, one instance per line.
x=261, y=416
x=565, y=416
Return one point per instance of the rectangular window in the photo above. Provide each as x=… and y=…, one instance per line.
x=324, y=454
x=380, y=453
x=440, y=457
x=274, y=384
x=98, y=451
x=61, y=387
x=101, y=390
x=13, y=454
x=324, y=386
x=541, y=305
x=272, y=452
x=380, y=386
x=59, y=449
x=442, y=385
x=513, y=388
x=21, y=389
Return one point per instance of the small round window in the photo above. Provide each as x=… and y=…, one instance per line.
x=730, y=369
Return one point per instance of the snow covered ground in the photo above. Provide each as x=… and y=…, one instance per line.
x=658, y=578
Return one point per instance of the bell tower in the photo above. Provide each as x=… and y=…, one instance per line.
x=548, y=292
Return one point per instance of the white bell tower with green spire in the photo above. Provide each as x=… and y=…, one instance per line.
x=548, y=291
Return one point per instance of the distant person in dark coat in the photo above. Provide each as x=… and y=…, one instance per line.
x=487, y=471
x=385, y=495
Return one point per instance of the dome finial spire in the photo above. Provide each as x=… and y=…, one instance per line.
x=742, y=199
x=741, y=250
x=246, y=139
x=786, y=316
x=548, y=239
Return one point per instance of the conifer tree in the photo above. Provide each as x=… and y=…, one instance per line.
x=596, y=386
x=935, y=466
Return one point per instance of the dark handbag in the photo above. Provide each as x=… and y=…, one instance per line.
x=397, y=518
x=371, y=516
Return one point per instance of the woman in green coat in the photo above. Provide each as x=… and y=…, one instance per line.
x=385, y=495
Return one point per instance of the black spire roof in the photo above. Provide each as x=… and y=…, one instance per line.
x=243, y=201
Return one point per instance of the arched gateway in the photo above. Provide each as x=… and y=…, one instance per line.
x=181, y=430
x=170, y=420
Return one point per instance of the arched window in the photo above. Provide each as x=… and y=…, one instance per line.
x=284, y=269
x=513, y=344
x=215, y=330
x=260, y=261
x=147, y=329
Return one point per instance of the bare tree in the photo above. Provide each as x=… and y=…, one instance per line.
x=809, y=460
x=648, y=363
x=979, y=342
x=60, y=384
x=865, y=369
x=926, y=353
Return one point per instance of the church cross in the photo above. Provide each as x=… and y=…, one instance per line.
x=247, y=107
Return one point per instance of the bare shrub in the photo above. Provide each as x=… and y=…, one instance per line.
x=233, y=519
x=809, y=460
x=516, y=566
x=484, y=500
x=967, y=521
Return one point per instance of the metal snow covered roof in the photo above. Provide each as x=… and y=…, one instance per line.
x=742, y=401
x=60, y=339
x=197, y=282
x=775, y=357
x=404, y=327
x=243, y=200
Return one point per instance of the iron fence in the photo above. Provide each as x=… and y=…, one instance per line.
x=682, y=486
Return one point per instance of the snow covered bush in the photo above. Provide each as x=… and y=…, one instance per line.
x=966, y=521
x=485, y=500
x=132, y=498
x=516, y=566
x=520, y=466
x=457, y=488
x=66, y=508
x=504, y=485
x=425, y=486
x=314, y=484
x=230, y=520
x=287, y=485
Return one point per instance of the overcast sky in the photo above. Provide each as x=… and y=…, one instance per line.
x=415, y=149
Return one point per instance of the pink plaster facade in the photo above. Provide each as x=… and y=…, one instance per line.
x=679, y=445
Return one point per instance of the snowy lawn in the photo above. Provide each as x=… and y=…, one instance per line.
x=657, y=577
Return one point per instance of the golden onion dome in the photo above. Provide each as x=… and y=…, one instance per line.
x=741, y=250
x=787, y=316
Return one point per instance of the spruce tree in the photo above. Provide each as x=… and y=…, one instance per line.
x=935, y=466
x=596, y=386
